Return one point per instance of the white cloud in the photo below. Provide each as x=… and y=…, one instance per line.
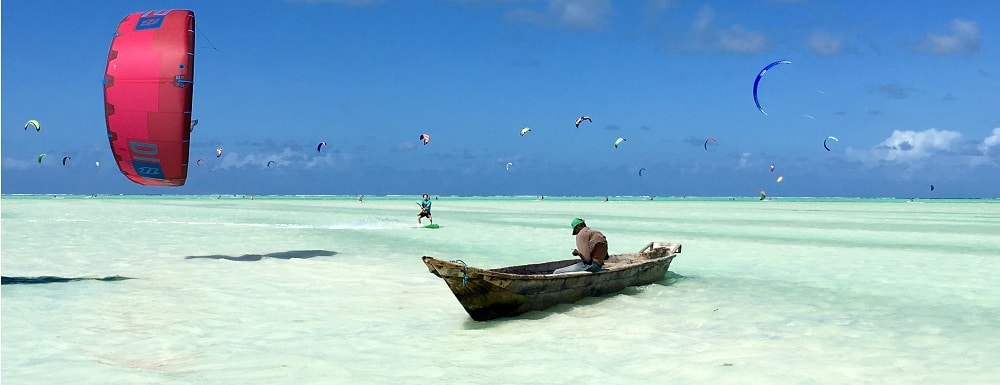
x=990, y=141
x=18, y=163
x=345, y=2
x=587, y=14
x=744, y=159
x=329, y=158
x=894, y=91
x=704, y=36
x=738, y=40
x=703, y=21
x=404, y=146
x=824, y=44
x=655, y=8
x=286, y=157
x=963, y=38
x=573, y=14
x=910, y=146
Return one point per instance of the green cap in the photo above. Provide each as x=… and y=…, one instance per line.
x=576, y=222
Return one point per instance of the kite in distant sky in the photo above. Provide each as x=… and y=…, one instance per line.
x=581, y=119
x=709, y=140
x=757, y=81
x=833, y=138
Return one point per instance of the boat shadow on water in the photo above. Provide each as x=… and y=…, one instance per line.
x=291, y=254
x=53, y=279
x=670, y=278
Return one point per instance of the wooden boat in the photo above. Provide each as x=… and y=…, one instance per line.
x=508, y=291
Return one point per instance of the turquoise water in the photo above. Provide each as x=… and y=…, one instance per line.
x=319, y=290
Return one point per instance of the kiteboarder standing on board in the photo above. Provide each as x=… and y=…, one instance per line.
x=425, y=209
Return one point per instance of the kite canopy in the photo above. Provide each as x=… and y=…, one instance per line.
x=508, y=165
x=581, y=119
x=148, y=86
x=833, y=138
x=709, y=140
x=33, y=123
x=525, y=131
x=640, y=171
x=426, y=138
x=320, y=146
x=757, y=81
x=619, y=141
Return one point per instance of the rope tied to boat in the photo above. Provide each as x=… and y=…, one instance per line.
x=465, y=271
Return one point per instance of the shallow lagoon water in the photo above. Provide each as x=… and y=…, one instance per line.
x=332, y=290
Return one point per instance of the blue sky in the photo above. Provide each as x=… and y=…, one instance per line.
x=910, y=94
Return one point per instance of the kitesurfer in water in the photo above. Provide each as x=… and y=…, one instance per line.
x=591, y=247
x=425, y=209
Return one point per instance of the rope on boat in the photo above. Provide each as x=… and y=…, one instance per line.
x=465, y=271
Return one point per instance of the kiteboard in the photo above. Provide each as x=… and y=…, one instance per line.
x=432, y=226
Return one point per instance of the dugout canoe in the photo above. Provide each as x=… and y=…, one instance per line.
x=509, y=291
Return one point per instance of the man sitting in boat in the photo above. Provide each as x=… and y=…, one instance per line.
x=591, y=247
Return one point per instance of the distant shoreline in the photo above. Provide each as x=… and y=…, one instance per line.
x=477, y=197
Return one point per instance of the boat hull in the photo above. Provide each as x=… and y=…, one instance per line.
x=505, y=292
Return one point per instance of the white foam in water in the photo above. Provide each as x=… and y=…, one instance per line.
x=332, y=290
